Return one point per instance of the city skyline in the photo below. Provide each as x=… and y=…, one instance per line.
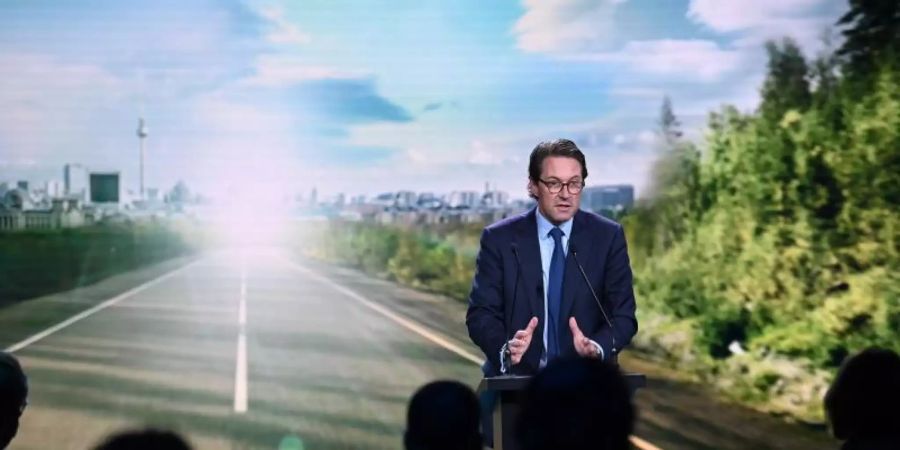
x=361, y=100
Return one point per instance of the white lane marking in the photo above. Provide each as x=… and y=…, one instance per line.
x=421, y=330
x=174, y=308
x=240, y=377
x=242, y=306
x=240, y=371
x=642, y=444
x=93, y=310
x=242, y=313
x=402, y=321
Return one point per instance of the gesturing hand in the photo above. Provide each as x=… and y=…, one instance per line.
x=583, y=345
x=518, y=345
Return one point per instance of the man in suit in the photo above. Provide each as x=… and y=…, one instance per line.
x=529, y=302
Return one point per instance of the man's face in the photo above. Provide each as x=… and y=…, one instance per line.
x=561, y=206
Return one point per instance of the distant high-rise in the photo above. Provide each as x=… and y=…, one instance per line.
x=53, y=188
x=494, y=199
x=463, y=199
x=75, y=179
x=607, y=198
x=105, y=187
x=23, y=185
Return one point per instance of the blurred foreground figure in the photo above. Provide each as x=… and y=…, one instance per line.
x=863, y=403
x=13, y=397
x=146, y=439
x=576, y=404
x=443, y=415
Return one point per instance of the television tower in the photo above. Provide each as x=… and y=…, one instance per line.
x=142, y=135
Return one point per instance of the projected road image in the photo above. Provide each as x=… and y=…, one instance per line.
x=254, y=347
x=239, y=350
x=265, y=224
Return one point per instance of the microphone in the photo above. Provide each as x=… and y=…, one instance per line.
x=507, y=355
x=612, y=328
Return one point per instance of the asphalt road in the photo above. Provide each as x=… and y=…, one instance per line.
x=259, y=349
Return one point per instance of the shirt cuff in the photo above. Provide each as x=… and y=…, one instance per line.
x=503, y=359
x=600, y=352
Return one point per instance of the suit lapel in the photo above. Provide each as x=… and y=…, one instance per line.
x=530, y=258
x=572, y=282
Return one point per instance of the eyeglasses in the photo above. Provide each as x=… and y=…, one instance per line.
x=555, y=186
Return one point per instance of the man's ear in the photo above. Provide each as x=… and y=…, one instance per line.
x=532, y=189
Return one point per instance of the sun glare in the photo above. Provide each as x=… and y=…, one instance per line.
x=253, y=214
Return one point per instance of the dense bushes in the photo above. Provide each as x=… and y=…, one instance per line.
x=439, y=260
x=788, y=254
x=34, y=263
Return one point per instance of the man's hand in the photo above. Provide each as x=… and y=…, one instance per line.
x=518, y=345
x=583, y=345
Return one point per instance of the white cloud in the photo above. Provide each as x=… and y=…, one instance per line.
x=803, y=20
x=646, y=137
x=48, y=104
x=284, y=70
x=283, y=31
x=482, y=155
x=565, y=25
x=236, y=142
x=694, y=58
x=737, y=15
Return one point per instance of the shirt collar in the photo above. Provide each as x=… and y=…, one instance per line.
x=544, y=226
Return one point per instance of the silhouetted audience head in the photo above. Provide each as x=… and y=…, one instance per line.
x=576, y=404
x=13, y=397
x=443, y=415
x=144, y=439
x=863, y=402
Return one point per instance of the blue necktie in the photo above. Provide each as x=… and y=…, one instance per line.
x=554, y=293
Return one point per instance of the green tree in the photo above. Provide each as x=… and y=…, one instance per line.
x=669, y=126
x=871, y=32
x=786, y=85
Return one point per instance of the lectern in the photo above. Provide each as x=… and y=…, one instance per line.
x=509, y=389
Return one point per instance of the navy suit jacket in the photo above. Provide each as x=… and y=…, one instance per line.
x=500, y=282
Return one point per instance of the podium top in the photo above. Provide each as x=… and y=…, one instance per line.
x=519, y=382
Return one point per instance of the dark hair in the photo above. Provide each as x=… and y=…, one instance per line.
x=13, y=392
x=13, y=385
x=576, y=404
x=443, y=415
x=558, y=147
x=862, y=401
x=145, y=439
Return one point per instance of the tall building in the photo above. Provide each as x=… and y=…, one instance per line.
x=494, y=199
x=105, y=187
x=463, y=199
x=607, y=198
x=75, y=178
x=54, y=189
x=406, y=200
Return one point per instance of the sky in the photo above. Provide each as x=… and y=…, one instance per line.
x=369, y=96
